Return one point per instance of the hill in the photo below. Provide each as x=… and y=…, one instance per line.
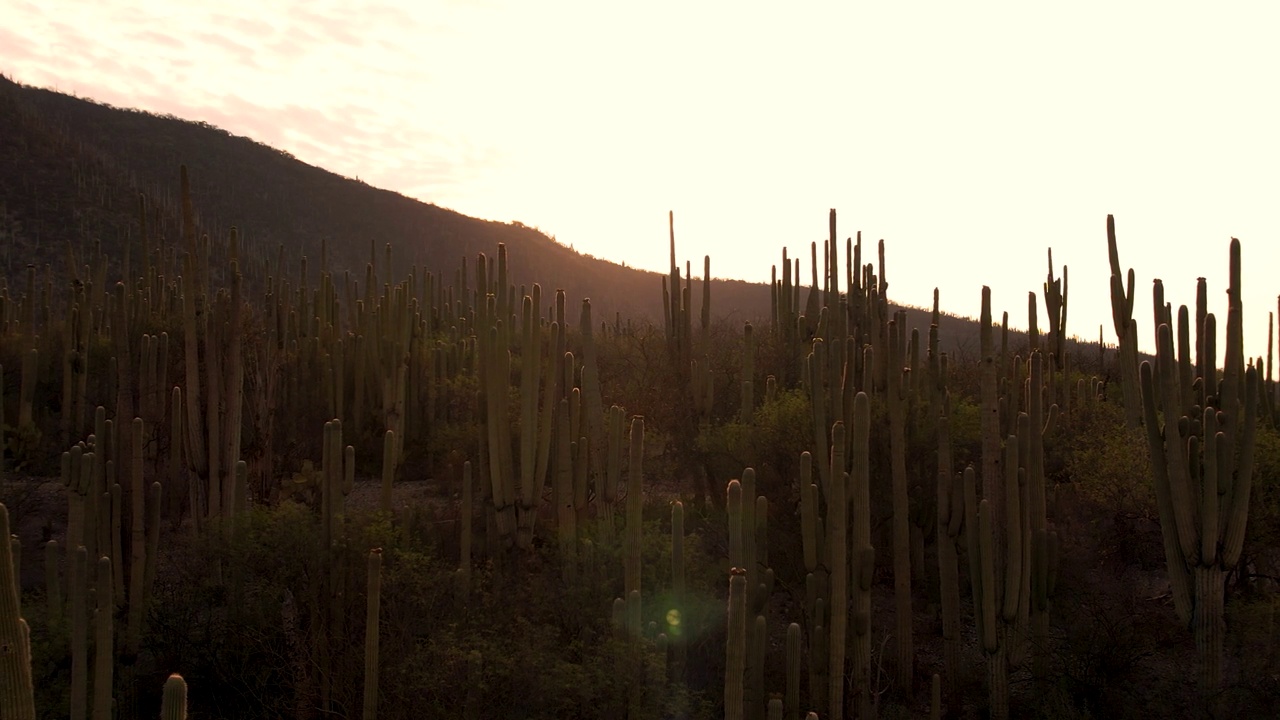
x=71, y=170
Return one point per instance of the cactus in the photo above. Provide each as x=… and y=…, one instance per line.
x=935, y=698
x=53, y=583
x=753, y=693
x=677, y=621
x=896, y=392
x=635, y=508
x=17, y=694
x=464, y=560
x=371, y=634
x=566, y=525
x=838, y=544
x=1126, y=329
x=810, y=537
x=104, y=655
x=1203, y=475
x=173, y=706
x=748, y=374
x=78, y=592
x=138, y=532
x=864, y=555
x=388, y=470
x=736, y=646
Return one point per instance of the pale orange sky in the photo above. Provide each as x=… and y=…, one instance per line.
x=970, y=136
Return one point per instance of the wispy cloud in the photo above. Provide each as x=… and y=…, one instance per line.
x=311, y=80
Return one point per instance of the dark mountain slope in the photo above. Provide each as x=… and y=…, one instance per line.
x=71, y=171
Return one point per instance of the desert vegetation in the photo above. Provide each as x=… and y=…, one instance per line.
x=255, y=469
x=242, y=483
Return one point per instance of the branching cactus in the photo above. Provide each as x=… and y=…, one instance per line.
x=1040, y=424
x=997, y=589
x=1203, y=472
x=1126, y=329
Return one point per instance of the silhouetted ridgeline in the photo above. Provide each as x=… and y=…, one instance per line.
x=72, y=169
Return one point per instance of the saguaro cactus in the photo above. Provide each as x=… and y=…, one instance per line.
x=1203, y=473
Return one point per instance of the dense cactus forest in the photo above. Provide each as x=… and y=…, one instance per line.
x=243, y=481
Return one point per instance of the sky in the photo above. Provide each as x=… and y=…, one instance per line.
x=971, y=137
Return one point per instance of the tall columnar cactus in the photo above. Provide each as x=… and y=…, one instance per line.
x=78, y=594
x=535, y=427
x=999, y=589
x=17, y=694
x=53, y=583
x=896, y=392
x=950, y=522
x=388, y=471
x=1202, y=461
x=1041, y=537
x=464, y=560
x=677, y=621
x=566, y=526
x=793, y=672
x=1126, y=329
x=736, y=646
x=748, y=374
x=593, y=412
x=27, y=390
x=173, y=705
x=1055, y=301
x=635, y=508
x=138, y=534
x=104, y=643
x=862, y=558
x=838, y=543
x=371, y=634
